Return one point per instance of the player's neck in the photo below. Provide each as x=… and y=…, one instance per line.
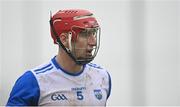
x=67, y=63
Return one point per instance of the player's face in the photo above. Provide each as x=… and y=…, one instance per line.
x=86, y=44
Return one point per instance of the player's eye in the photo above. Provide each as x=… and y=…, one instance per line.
x=89, y=32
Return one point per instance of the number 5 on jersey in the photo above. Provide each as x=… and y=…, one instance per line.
x=79, y=95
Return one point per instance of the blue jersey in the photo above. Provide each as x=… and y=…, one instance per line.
x=50, y=85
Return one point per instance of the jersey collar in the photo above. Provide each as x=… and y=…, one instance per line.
x=59, y=67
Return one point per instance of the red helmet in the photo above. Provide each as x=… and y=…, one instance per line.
x=73, y=22
x=69, y=20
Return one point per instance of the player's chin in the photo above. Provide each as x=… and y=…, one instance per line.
x=89, y=55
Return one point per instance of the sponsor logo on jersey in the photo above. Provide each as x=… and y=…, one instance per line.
x=98, y=94
x=58, y=96
x=78, y=88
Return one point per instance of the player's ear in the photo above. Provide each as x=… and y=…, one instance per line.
x=63, y=38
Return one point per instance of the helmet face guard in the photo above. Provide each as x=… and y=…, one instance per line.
x=83, y=40
x=91, y=42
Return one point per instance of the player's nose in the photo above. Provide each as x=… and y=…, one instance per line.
x=92, y=40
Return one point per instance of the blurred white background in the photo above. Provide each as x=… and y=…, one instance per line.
x=140, y=45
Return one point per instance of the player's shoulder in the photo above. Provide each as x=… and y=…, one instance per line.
x=98, y=68
x=95, y=66
x=42, y=68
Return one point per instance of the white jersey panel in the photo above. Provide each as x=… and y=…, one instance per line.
x=59, y=88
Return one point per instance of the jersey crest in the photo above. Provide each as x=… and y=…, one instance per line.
x=98, y=94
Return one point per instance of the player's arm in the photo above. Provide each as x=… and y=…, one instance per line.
x=25, y=91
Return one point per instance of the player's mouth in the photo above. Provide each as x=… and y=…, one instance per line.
x=89, y=52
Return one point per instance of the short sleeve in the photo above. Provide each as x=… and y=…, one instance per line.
x=25, y=91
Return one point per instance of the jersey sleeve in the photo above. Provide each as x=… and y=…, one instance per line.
x=25, y=91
